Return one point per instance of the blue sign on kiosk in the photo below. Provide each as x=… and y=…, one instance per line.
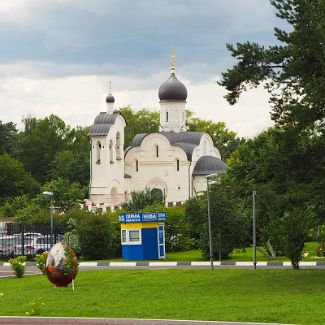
x=143, y=235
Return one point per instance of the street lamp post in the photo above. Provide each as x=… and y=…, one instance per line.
x=50, y=194
x=209, y=218
x=254, y=231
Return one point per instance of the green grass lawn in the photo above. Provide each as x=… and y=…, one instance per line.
x=238, y=255
x=287, y=296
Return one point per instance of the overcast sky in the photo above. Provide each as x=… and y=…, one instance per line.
x=57, y=56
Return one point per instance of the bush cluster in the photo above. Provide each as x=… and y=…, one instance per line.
x=18, y=265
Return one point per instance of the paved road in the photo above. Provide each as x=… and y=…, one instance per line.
x=111, y=321
x=5, y=271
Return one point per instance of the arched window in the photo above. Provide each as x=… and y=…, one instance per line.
x=98, y=148
x=111, y=157
x=157, y=150
x=118, y=146
x=205, y=147
x=166, y=116
x=177, y=165
x=136, y=165
x=114, y=196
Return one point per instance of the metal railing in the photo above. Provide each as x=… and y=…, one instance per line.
x=19, y=239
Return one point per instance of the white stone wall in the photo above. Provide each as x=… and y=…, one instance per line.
x=159, y=172
x=107, y=166
x=176, y=116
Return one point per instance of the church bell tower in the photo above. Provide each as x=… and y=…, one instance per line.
x=172, y=94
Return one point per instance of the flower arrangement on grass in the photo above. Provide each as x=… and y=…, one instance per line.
x=61, y=265
x=18, y=265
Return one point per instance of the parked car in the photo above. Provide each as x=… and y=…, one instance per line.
x=7, y=245
x=36, y=245
x=28, y=235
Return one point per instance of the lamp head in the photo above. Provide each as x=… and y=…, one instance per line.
x=48, y=193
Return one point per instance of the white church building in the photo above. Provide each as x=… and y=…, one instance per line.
x=171, y=160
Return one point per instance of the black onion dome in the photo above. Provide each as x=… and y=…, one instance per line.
x=172, y=89
x=110, y=98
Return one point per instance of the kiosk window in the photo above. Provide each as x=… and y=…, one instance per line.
x=131, y=236
x=123, y=236
x=134, y=235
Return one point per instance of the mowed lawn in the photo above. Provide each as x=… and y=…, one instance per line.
x=287, y=296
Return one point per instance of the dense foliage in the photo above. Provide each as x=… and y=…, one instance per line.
x=96, y=237
x=230, y=222
x=286, y=164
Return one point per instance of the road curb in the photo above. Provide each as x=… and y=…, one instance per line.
x=188, y=264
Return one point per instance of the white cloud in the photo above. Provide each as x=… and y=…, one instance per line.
x=59, y=55
x=78, y=99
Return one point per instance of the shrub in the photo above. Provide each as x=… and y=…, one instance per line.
x=18, y=265
x=177, y=236
x=40, y=260
x=177, y=231
x=96, y=237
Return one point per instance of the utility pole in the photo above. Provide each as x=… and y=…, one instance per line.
x=209, y=224
x=254, y=230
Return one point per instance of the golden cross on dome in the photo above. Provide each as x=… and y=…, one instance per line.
x=110, y=87
x=172, y=58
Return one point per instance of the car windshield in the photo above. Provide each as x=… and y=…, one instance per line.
x=41, y=240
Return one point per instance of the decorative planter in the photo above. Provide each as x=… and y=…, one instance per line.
x=61, y=265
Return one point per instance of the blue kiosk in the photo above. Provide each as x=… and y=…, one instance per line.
x=143, y=235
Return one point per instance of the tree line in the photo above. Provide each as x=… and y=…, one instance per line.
x=49, y=155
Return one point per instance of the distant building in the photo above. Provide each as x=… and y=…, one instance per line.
x=171, y=161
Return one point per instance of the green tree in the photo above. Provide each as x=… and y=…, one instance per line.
x=71, y=165
x=38, y=144
x=8, y=133
x=229, y=221
x=66, y=195
x=225, y=140
x=142, y=121
x=262, y=164
x=142, y=199
x=14, y=179
x=193, y=216
x=177, y=235
x=293, y=71
x=72, y=162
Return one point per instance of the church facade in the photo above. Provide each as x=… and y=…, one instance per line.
x=171, y=160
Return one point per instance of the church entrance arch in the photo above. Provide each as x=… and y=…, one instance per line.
x=158, y=187
x=158, y=194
